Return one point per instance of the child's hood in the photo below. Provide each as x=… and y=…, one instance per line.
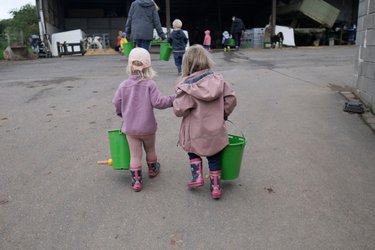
x=207, y=32
x=146, y=3
x=203, y=85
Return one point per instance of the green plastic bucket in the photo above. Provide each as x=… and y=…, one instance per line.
x=165, y=51
x=231, y=157
x=128, y=47
x=119, y=147
x=231, y=42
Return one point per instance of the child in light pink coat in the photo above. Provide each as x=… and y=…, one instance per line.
x=207, y=40
x=135, y=100
x=204, y=100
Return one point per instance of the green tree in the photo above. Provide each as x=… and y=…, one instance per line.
x=24, y=21
x=4, y=23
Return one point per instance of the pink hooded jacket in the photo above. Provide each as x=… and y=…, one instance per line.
x=207, y=38
x=203, y=99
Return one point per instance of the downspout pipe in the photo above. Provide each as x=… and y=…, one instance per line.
x=42, y=25
x=273, y=21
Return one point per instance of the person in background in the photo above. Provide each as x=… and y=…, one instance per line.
x=225, y=41
x=237, y=29
x=135, y=100
x=123, y=41
x=118, y=45
x=207, y=40
x=204, y=100
x=178, y=40
x=143, y=17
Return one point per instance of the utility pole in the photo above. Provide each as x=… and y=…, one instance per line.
x=273, y=22
x=168, y=15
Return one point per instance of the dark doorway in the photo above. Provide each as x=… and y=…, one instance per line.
x=196, y=15
x=216, y=15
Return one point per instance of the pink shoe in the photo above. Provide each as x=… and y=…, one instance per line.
x=215, y=184
x=196, y=171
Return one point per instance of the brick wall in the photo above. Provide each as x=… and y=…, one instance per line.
x=365, y=62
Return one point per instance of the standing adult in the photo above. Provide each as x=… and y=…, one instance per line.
x=143, y=17
x=237, y=28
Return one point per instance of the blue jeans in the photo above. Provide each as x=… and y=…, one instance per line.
x=178, y=59
x=213, y=161
x=143, y=44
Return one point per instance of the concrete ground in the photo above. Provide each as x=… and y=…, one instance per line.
x=306, y=182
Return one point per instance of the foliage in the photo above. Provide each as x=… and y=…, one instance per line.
x=4, y=23
x=19, y=28
x=3, y=45
x=24, y=23
x=3, y=42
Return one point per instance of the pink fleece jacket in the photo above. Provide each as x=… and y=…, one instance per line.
x=135, y=100
x=203, y=100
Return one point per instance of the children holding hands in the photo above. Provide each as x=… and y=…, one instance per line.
x=203, y=100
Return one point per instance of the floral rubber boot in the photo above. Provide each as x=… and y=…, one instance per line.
x=136, y=174
x=153, y=168
x=196, y=171
x=215, y=184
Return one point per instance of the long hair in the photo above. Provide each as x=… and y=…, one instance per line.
x=196, y=58
x=146, y=73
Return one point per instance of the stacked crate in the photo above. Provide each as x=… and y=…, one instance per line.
x=256, y=37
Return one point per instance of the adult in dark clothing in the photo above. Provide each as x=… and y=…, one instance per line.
x=178, y=40
x=237, y=28
x=143, y=17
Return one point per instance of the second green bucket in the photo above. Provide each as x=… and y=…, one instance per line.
x=165, y=51
x=119, y=147
x=231, y=157
x=127, y=47
x=231, y=42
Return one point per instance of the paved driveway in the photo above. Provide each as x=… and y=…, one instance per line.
x=306, y=182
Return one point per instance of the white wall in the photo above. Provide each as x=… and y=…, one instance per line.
x=365, y=58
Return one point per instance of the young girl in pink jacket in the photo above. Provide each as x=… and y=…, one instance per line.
x=204, y=100
x=135, y=100
x=207, y=40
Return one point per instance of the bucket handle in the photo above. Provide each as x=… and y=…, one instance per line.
x=236, y=128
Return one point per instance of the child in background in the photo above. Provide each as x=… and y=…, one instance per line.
x=135, y=100
x=207, y=40
x=204, y=100
x=178, y=40
x=118, y=45
x=225, y=41
x=123, y=41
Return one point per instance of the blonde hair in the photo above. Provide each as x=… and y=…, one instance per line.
x=177, y=24
x=146, y=73
x=196, y=58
